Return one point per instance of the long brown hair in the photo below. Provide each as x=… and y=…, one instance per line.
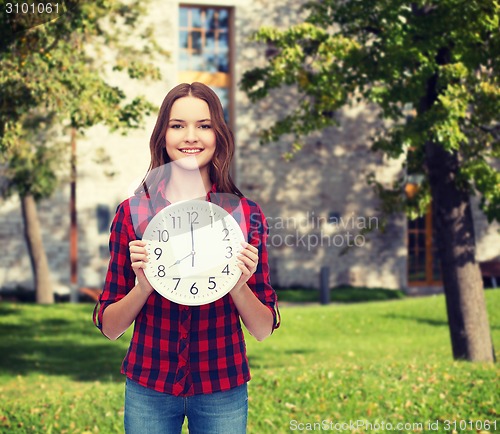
x=224, y=149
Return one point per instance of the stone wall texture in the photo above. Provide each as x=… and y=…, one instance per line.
x=318, y=205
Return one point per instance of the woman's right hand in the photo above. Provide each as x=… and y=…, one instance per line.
x=120, y=315
x=139, y=259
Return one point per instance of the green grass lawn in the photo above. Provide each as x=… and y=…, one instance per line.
x=382, y=363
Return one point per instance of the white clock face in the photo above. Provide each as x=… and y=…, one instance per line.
x=193, y=247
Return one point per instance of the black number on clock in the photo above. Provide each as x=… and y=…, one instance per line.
x=161, y=270
x=194, y=289
x=158, y=253
x=226, y=269
x=177, y=284
x=178, y=221
x=211, y=280
x=163, y=235
x=193, y=217
x=229, y=252
x=226, y=233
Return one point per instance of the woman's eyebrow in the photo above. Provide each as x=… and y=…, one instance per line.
x=182, y=120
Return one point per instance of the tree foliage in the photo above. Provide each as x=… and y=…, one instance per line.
x=431, y=67
x=54, y=75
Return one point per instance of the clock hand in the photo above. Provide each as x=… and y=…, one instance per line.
x=180, y=260
x=192, y=238
x=192, y=245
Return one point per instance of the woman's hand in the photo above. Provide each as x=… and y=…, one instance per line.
x=139, y=259
x=249, y=258
x=120, y=315
x=257, y=318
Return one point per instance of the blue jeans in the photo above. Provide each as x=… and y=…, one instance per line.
x=150, y=412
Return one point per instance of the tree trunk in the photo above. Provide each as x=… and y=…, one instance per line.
x=456, y=241
x=39, y=264
x=454, y=232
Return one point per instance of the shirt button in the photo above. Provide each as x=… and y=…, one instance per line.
x=184, y=335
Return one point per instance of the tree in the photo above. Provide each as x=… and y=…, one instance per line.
x=53, y=77
x=438, y=60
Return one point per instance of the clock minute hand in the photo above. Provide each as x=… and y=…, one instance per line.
x=192, y=245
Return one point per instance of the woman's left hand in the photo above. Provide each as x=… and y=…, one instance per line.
x=249, y=258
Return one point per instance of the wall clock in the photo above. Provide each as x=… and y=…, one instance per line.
x=192, y=252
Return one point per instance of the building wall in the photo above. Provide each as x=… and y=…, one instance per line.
x=317, y=205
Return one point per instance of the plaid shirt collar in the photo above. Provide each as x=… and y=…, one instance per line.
x=160, y=193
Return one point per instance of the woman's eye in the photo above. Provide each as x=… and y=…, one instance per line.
x=176, y=126
x=206, y=127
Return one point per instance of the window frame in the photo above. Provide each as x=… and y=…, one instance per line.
x=429, y=251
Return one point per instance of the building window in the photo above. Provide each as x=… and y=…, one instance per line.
x=423, y=262
x=424, y=268
x=103, y=219
x=205, y=49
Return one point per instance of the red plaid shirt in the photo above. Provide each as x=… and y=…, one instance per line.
x=177, y=349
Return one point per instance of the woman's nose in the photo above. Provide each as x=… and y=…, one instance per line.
x=191, y=135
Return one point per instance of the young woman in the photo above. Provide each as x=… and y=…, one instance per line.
x=186, y=361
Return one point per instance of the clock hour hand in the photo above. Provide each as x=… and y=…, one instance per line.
x=180, y=260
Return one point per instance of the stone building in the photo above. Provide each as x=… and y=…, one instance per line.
x=316, y=205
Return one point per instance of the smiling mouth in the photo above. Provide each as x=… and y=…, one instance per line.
x=191, y=150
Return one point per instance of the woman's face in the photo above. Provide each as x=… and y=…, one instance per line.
x=190, y=133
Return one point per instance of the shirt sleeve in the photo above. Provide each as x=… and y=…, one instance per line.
x=260, y=282
x=120, y=277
